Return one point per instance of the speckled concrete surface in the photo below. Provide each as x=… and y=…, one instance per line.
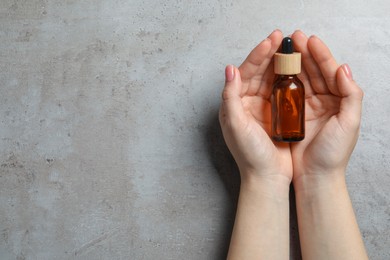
x=109, y=141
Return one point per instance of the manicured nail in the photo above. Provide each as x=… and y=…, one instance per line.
x=276, y=30
x=300, y=31
x=347, y=71
x=229, y=73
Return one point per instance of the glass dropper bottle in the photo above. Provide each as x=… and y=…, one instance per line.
x=288, y=96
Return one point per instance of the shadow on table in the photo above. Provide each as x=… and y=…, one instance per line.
x=227, y=170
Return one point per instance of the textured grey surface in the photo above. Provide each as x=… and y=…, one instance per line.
x=109, y=141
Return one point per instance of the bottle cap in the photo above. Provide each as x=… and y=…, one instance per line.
x=287, y=62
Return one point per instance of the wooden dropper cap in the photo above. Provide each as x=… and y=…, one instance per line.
x=287, y=62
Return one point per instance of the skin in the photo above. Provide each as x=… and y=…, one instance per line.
x=316, y=166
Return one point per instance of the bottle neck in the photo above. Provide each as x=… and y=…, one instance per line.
x=285, y=77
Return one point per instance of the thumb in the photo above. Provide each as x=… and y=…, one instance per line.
x=352, y=96
x=231, y=95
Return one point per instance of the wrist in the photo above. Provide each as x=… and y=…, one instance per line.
x=310, y=186
x=274, y=186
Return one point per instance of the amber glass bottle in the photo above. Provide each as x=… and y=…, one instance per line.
x=288, y=96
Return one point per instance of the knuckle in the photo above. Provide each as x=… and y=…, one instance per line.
x=225, y=94
x=360, y=92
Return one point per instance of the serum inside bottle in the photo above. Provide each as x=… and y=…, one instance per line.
x=288, y=96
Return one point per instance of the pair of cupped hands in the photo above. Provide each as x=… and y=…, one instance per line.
x=333, y=104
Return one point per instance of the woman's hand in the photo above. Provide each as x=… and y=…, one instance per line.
x=262, y=220
x=333, y=111
x=327, y=225
x=245, y=115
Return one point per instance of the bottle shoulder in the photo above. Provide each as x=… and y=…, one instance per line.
x=287, y=80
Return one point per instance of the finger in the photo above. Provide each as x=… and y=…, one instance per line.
x=257, y=62
x=231, y=96
x=303, y=76
x=249, y=68
x=266, y=84
x=352, y=96
x=250, y=72
x=325, y=61
x=317, y=82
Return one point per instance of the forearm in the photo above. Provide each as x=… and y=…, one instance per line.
x=327, y=223
x=261, y=228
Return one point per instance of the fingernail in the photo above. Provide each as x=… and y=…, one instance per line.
x=300, y=31
x=276, y=30
x=229, y=73
x=347, y=71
